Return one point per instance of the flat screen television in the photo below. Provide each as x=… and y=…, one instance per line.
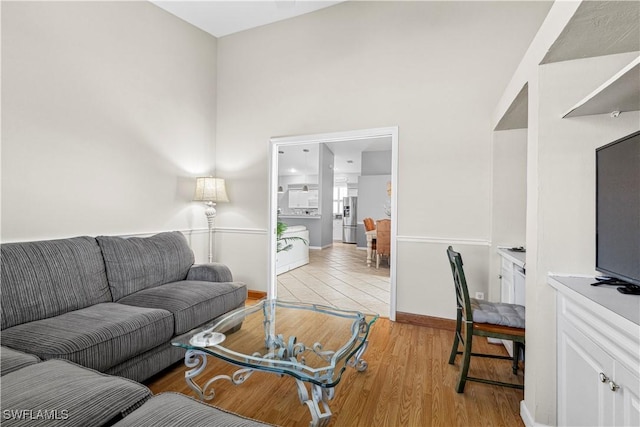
x=618, y=209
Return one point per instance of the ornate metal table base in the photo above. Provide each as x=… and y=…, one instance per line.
x=320, y=416
x=197, y=360
x=318, y=402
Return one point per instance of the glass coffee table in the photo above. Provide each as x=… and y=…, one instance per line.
x=314, y=344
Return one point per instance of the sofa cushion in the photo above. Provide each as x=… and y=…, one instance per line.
x=12, y=360
x=192, y=303
x=97, y=337
x=138, y=263
x=48, y=278
x=178, y=410
x=60, y=393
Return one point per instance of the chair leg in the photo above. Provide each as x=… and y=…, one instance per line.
x=516, y=356
x=456, y=339
x=466, y=359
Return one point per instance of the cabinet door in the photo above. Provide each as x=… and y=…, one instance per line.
x=584, y=399
x=312, y=201
x=627, y=397
x=298, y=199
x=506, y=282
x=507, y=293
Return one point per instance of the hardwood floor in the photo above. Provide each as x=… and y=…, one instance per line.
x=408, y=383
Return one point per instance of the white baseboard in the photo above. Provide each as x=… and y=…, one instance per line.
x=525, y=415
x=527, y=419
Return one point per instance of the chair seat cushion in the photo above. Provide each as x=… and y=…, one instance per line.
x=98, y=337
x=12, y=360
x=61, y=393
x=191, y=302
x=497, y=313
x=177, y=410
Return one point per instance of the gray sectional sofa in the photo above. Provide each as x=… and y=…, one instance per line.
x=109, y=303
x=78, y=308
x=62, y=393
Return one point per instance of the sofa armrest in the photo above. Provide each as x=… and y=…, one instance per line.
x=211, y=272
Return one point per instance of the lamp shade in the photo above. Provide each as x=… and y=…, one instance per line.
x=210, y=189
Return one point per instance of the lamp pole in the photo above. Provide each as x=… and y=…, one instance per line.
x=210, y=212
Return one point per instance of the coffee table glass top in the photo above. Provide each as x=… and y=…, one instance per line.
x=310, y=342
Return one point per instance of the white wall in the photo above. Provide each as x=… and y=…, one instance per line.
x=561, y=204
x=509, y=198
x=108, y=114
x=435, y=69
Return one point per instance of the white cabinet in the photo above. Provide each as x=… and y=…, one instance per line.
x=512, y=276
x=303, y=199
x=506, y=281
x=598, y=361
x=512, y=282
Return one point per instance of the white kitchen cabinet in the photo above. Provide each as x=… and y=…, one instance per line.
x=303, y=199
x=512, y=282
x=598, y=370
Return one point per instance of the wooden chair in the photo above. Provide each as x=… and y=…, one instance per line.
x=493, y=320
x=383, y=240
x=369, y=224
x=370, y=234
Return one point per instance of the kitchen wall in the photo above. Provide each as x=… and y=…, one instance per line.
x=326, y=195
x=108, y=114
x=373, y=64
x=287, y=181
x=376, y=162
x=372, y=190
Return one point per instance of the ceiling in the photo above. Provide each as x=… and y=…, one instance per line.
x=221, y=18
x=596, y=29
x=294, y=161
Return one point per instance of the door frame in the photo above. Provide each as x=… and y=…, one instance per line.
x=282, y=141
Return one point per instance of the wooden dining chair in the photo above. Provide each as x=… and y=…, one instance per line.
x=486, y=319
x=383, y=240
x=369, y=224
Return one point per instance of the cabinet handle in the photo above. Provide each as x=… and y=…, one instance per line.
x=499, y=276
x=613, y=386
x=603, y=378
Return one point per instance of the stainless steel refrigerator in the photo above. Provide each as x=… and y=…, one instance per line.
x=349, y=219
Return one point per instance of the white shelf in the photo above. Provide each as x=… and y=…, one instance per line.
x=620, y=93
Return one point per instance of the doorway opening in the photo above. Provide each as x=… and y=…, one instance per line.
x=311, y=196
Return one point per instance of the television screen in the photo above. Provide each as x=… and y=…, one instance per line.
x=618, y=209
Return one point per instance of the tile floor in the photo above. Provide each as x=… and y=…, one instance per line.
x=339, y=277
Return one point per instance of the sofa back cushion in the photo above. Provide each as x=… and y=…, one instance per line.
x=51, y=277
x=138, y=263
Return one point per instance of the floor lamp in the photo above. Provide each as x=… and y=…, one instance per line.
x=210, y=190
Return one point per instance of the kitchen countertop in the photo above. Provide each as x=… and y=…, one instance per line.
x=301, y=216
x=519, y=258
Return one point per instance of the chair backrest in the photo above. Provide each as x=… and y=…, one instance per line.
x=383, y=236
x=462, y=292
x=369, y=224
